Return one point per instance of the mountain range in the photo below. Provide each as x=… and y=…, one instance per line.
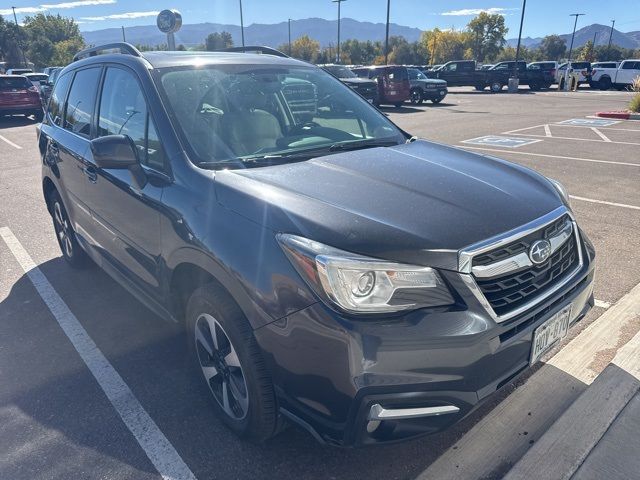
x=601, y=32
x=324, y=31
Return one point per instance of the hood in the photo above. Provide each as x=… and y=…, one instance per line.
x=405, y=203
x=357, y=81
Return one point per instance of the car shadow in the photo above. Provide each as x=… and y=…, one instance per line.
x=16, y=121
x=152, y=358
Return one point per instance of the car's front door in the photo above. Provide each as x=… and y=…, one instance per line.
x=126, y=208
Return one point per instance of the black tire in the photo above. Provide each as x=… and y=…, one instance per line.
x=605, y=83
x=72, y=252
x=480, y=88
x=437, y=100
x=260, y=420
x=416, y=96
x=398, y=105
x=496, y=87
x=534, y=87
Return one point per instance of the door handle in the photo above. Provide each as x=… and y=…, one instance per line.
x=91, y=173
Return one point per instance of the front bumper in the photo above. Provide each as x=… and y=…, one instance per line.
x=330, y=370
x=435, y=94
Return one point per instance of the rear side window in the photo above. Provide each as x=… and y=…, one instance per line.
x=631, y=66
x=56, y=104
x=123, y=111
x=468, y=66
x=81, y=101
x=397, y=73
x=14, y=83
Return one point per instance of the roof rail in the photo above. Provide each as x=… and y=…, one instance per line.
x=122, y=47
x=256, y=49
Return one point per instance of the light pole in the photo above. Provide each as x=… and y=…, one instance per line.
x=386, y=35
x=515, y=67
x=575, y=24
x=338, y=48
x=24, y=58
x=613, y=24
x=241, y=24
x=289, y=37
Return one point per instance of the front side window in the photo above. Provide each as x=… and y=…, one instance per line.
x=123, y=111
x=56, y=103
x=231, y=114
x=452, y=67
x=81, y=101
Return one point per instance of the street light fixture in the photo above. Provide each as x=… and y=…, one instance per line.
x=575, y=24
x=241, y=23
x=613, y=24
x=338, y=49
x=515, y=67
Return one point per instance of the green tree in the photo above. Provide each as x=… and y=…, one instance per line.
x=218, y=41
x=444, y=45
x=553, y=47
x=11, y=38
x=64, y=51
x=304, y=48
x=52, y=39
x=587, y=52
x=487, y=35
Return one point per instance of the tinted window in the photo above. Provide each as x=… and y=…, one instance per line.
x=81, y=101
x=123, y=111
x=397, y=73
x=452, y=67
x=56, y=104
x=630, y=65
x=468, y=66
x=13, y=83
x=502, y=66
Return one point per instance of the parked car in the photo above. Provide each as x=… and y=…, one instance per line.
x=424, y=88
x=45, y=88
x=583, y=68
x=487, y=66
x=37, y=79
x=547, y=66
x=462, y=73
x=18, y=96
x=334, y=271
x=621, y=77
x=18, y=71
x=393, y=82
x=498, y=76
x=365, y=87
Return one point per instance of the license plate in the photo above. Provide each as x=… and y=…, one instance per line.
x=551, y=331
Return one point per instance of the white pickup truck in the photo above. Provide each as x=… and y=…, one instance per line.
x=620, y=78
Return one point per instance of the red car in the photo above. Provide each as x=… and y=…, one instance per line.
x=393, y=82
x=19, y=96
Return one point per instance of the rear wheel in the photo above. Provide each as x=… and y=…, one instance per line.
x=227, y=356
x=66, y=237
x=605, y=83
x=416, y=96
x=496, y=87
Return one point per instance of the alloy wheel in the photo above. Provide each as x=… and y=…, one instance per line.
x=63, y=231
x=221, y=367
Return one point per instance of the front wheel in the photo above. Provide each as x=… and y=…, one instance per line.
x=416, y=96
x=227, y=356
x=496, y=87
x=605, y=83
x=436, y=100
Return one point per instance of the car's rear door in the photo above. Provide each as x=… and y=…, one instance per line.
x=629, y=70
x=126, y=211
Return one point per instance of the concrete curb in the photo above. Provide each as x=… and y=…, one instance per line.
x=619, y=115
x=565, y=446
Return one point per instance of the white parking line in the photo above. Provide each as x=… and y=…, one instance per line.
x=600, y=134
x=511, y=152
x=547, y=131
x=613, y=204
x=159, y=450
x=5, y=139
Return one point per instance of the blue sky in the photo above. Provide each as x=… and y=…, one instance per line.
x=542, y=16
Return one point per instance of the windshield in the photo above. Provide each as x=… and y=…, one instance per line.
x=340, y=71
x=229, y=115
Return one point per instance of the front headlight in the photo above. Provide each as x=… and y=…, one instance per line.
x=562, y=191
x=361, y=284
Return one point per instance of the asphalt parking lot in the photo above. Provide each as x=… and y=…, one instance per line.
x=57, y=422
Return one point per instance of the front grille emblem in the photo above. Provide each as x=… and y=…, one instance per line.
x=540, y=251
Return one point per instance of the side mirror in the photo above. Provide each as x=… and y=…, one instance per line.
x=114, y=151
x=118, y=151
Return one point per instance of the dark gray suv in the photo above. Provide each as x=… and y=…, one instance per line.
x=330, y=269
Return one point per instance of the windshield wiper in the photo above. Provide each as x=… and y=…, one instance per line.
x=361, y=144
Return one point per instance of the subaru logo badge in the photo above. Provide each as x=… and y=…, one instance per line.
x=540, y=251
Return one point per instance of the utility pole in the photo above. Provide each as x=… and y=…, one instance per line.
x=124, y=38
x=289, y=37
x=515, y=67
x=241, y=24
x=338, y=48
x=575, y=24
x=386, y=36
x=613, y=24
x=24, y=58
